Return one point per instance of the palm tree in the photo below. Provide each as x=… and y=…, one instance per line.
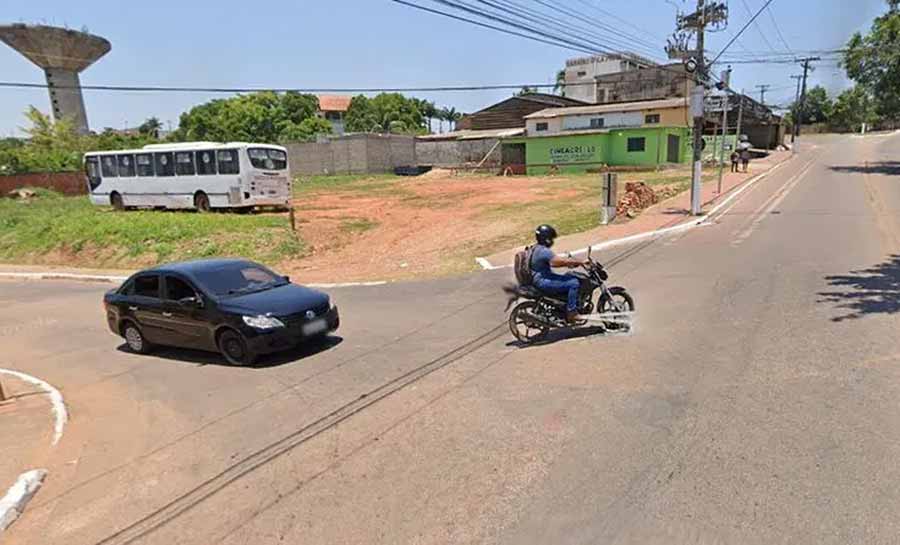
x=441, y=115
x=452, y=117
x=151, y=127
x=560, y=83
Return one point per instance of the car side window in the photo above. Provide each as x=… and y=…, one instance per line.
x=147, y=286
x=177, y=289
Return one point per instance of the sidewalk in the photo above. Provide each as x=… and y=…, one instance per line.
x=665, y=214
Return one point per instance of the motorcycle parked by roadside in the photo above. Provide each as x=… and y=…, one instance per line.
x=532, y=319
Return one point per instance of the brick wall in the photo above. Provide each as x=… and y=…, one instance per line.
x=68, y=183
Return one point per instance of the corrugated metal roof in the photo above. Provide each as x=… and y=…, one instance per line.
x=608, y=108
x=468, y=134
x=334, y=103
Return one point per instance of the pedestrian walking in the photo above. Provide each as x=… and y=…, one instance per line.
x=735, y=157
x=745, y=159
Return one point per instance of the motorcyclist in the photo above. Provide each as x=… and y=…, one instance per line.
x=542, y=261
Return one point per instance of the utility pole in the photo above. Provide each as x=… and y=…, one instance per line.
x=796, y=110
x=726, y=80
x=762, y=93
x=737, y=133
x=715, y=15
x=806, y=62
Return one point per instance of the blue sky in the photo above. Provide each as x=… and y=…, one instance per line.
x=364, y=43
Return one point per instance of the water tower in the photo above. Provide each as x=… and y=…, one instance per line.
x=62, y=53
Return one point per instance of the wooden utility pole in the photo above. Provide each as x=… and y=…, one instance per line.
x=762, y=92
x=795, y=109
x=806, y=62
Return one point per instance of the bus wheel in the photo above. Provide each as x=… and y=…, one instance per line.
x=116, y=201
x=201, y=202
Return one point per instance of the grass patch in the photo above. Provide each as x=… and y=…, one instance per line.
x=363, y=183
x=357, y=225
x=70, y=230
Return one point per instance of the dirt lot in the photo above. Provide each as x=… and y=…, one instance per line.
x=388, y=227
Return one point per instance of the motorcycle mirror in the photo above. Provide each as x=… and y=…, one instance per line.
x=589, y=252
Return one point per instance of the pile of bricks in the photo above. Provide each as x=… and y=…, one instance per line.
x=638, y=196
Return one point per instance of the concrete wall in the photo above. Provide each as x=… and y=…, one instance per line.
x=67, y=183
x=353, y=154
x=454, y=153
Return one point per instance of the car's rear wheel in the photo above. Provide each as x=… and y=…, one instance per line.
x=135, y=339
x=234, y=348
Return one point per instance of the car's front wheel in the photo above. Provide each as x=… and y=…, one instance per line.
x=134, y=339
x=234, y=348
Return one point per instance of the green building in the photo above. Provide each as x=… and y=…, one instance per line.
x=589, y=150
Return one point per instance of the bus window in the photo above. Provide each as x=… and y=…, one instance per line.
x=206, y=162
x=268, y=159
x=92, y=171
x=164, y=164
x=126, y=165
x=108, y=166
x=228, y=161
x=184, y=163
x=144, y=164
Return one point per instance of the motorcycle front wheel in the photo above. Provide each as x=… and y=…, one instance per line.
x=525, y=323
x=618, y=300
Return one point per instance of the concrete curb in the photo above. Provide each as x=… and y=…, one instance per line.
x=60, y=414
x=112, y=279
x=694, y=222
x=12, y=505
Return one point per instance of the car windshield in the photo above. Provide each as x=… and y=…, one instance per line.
x=239, y=279
x=268, y=159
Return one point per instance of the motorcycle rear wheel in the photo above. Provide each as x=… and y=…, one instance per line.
x=525, y=325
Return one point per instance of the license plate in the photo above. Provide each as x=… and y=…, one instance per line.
x=316, y=326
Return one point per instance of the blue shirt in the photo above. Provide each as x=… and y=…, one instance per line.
x=540, y=260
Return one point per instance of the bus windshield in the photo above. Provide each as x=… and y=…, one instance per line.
x=267, y=159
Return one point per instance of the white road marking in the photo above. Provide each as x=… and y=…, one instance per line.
x=60, y=414
x=771, y=204
x=13, y=503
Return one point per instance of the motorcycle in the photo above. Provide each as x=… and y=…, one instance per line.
x=532, y=319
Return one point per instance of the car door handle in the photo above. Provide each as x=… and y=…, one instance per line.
x=167, y=314
x=132, y=308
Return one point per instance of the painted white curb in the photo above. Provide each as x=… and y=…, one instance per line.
x=60, y=414
x=690, y=224
x=119, y=279
x=13, y=503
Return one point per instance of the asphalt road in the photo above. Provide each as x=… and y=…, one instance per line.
x=756, y=401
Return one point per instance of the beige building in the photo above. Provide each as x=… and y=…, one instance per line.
x=581, y=73
x=671, y=112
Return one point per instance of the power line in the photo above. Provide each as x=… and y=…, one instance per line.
x=632, y=39
x=741, y=31
x=777, y=30
x=617, y=18
x=492, y=27
x=756, y=25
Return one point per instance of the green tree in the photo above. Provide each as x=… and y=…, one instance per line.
x=305, y=131
x=451, y=116
x=560, y=85
x=816, y=108
x=526, y=90
x=150, y=127
x=255, y=117
x=873, y=61
x=386, y=112
x=852, y=108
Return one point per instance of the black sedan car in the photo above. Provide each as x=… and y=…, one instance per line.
x=235, y=307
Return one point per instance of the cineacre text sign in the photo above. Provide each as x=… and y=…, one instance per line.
x=572, y=154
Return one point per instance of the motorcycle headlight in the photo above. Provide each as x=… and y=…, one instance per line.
x=263, y=322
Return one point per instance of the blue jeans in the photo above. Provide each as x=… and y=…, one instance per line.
x=560, y=283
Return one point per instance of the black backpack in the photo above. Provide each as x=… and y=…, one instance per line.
x=522, y=266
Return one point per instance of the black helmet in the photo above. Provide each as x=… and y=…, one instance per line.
x=545, y=234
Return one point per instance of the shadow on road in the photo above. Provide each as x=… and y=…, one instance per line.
x=889, y=168
x=200, y=357
x=875, y=290
x=560, y=335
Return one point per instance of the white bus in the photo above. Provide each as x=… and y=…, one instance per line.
x=193, y=175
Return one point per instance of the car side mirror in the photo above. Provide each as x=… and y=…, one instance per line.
x=195, y=302
x=286, y=278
